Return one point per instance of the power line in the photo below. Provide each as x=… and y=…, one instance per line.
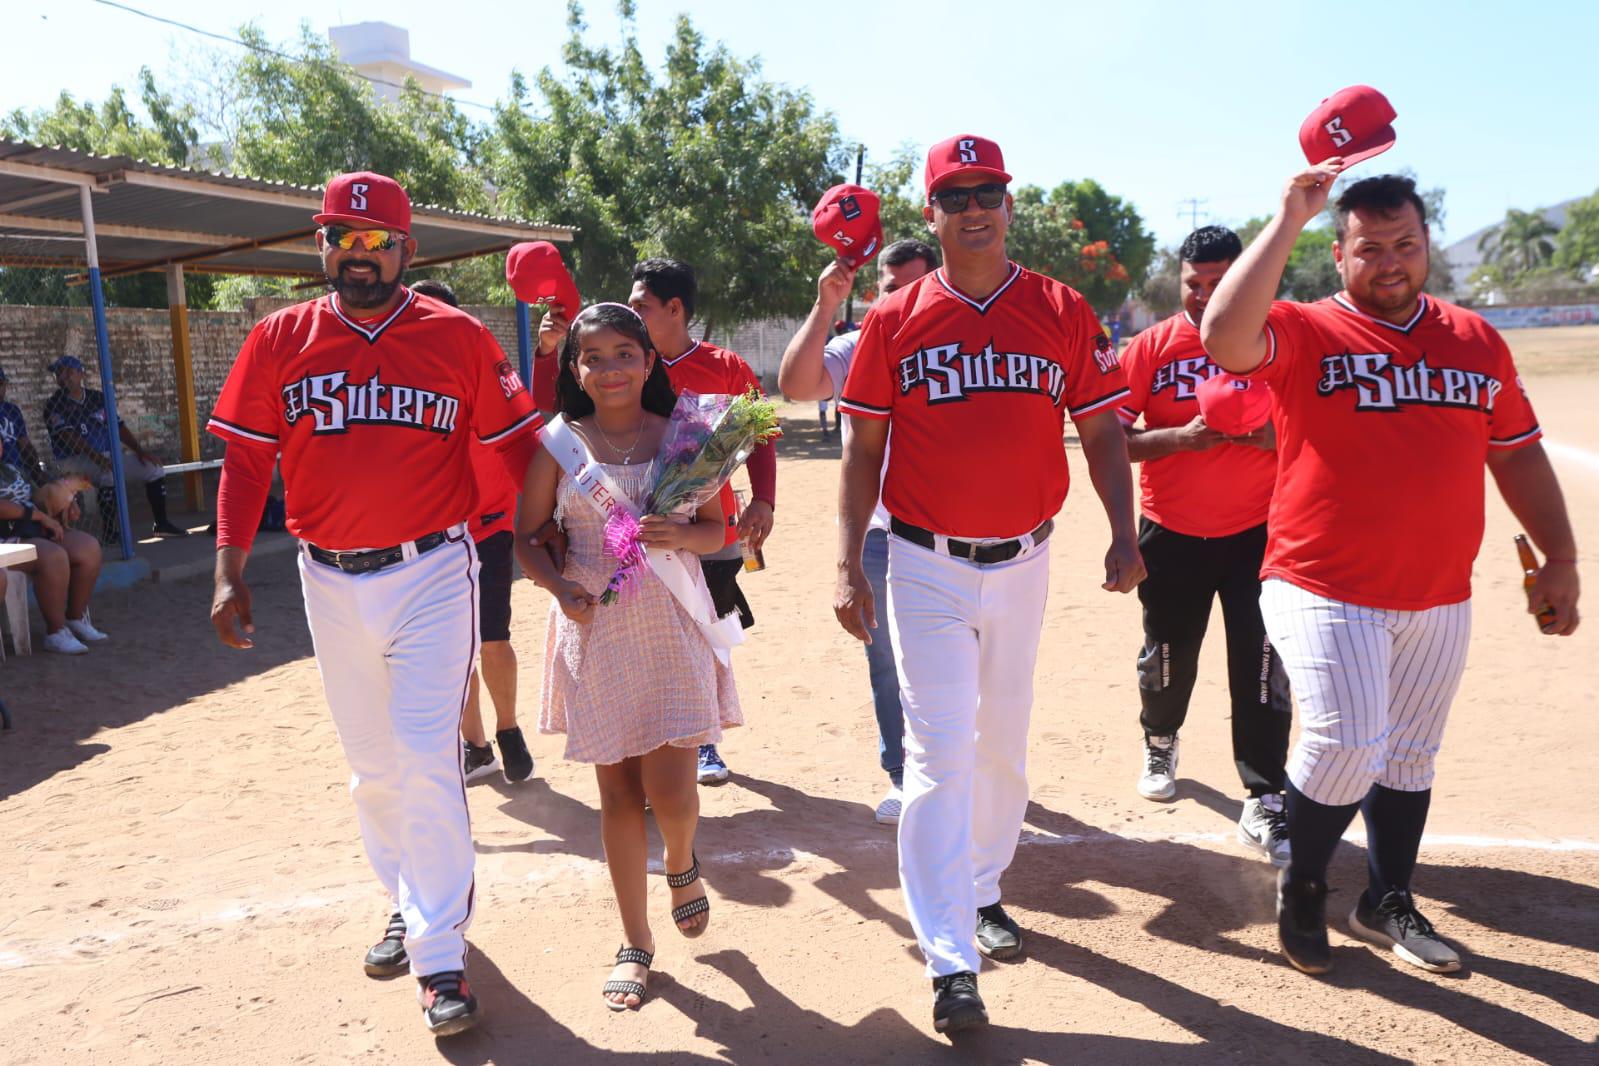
x=1192, y=210
x=280, y=55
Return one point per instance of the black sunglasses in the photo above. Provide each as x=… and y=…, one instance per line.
x=954, y=201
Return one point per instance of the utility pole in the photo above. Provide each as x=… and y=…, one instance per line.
x=1193, y=204
x=860, y=163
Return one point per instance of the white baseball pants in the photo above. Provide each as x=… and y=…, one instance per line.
x=395, y=649
x=965, y=643
x=1373, y=687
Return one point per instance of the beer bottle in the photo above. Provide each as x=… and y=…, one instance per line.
x=1529, y=577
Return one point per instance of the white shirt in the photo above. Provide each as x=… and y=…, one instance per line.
x=836, y=359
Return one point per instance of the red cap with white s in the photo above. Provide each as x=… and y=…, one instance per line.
x=1355, y=123
x=964, y=156
x=365, y=200
x=847, y=220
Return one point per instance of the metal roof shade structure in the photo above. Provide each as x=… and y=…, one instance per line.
x=120, y=215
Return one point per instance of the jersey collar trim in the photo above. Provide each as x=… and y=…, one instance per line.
x=1421, y=309
x=1189, y=319
x=371, y=333
x=981, y=308
x=691, y=350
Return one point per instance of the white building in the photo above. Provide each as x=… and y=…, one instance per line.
x=383, y=52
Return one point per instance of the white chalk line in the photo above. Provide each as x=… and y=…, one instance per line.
x=14, y=956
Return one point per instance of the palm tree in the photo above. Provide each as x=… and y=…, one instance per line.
x=1520, y=243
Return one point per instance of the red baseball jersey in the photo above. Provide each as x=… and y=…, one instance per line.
x=1213, y=493
x=709, y=370
x=374, y=420
x=977, y=393
x=496, y=495
x=1382, y=432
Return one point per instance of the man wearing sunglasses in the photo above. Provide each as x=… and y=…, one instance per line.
x=973, y=368
x=373, y=396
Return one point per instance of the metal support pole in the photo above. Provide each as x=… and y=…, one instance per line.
x=524, y=343
x=107, y=386
x=860, y=167
x=183, y=374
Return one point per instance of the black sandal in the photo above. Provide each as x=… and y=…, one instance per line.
x=693, y=906
x=628, y=988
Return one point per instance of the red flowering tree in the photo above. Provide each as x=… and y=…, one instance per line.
x=1080, y=234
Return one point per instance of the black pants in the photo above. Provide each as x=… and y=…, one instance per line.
x=1185, y=575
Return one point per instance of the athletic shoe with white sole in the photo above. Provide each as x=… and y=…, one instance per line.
x=887, y=812
x=448, y=1005
x=1159, y=779
x=1396, y=923
x=387, y=958
x=956, y=1004
x=84, y=631
x=514, y=754
x=712, y=770
x=480, y=762
x=62, y=642
x=998, y=935
x=1263, y=827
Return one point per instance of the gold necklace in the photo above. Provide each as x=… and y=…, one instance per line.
x=627, y=456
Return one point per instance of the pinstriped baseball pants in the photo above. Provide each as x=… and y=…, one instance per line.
x=1373, y=687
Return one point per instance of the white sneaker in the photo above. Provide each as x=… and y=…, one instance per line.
x=1263, y=828
x=1159, y=779
x=85, y=631
x=888, y=810
x=62, y=642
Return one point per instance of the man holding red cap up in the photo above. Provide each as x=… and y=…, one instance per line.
x=974, y=368
x=373, y=395
x=1208, y=466
x=1388, y=403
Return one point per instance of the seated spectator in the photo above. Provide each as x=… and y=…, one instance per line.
x=15, y=447
x=68, y=563
x=80, y=439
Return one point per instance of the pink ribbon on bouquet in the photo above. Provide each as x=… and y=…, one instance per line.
x=622, y=544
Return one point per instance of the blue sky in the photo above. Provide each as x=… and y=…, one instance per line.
x=1158, y=101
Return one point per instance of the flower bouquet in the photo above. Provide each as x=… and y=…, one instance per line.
x=705, y=441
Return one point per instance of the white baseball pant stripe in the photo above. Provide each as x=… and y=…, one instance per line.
x=1373, y=687
x=965, y=644
x=395, y=649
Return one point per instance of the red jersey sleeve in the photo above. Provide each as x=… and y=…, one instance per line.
x=249, y=410
x=1511, y=422
x=502, y=406
x=1135, y=370
x=1287, y=331
x=869, y=387
x=1094, y=378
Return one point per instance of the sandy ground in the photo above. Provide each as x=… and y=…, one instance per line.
x=185, y=882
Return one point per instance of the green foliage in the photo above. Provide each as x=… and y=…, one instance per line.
x=1579, y=239
x=1082, y=235
x=111, y=128
x=1520, y=244
x=1161, y=290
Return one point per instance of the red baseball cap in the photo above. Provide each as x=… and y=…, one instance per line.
x=1233, y=406
x=846, y=219
x=1356, y=123
x=367, y=201
x=964, y=155
x=537, y=275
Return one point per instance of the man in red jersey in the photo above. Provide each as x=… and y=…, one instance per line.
x=1202, y=535
x=664, y=293
x=373, y=397
x=974, y=367
x=1387, y=403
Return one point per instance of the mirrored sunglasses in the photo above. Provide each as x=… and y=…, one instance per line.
x=373, y=240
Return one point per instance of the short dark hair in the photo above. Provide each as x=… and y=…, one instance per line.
x=658, y=398
x=1386, y=194
x=903, y=251
x=669, y=279
x=436, y=289
x=1211, y=244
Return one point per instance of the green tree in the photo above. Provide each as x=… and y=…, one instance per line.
x=1578, y=248
x=112, y=128
x=1082, y=235
x=1519, y=244
x=705, y=162
x=1161, y=289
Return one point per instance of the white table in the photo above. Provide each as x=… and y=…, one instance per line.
x=17, y=554
x=16, y=601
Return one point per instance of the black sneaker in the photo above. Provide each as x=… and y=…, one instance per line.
x=1302, y=924
x=387, y=957
x=956, y=1004
x=1396, y=923
x=479, y=762
x=514, y=754
x=447, y=1001
x=998, y=935
x=167, y=529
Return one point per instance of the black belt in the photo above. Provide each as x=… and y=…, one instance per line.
x=377, y=559
x=985, y=554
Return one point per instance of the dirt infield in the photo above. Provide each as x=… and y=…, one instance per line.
x=185, y=883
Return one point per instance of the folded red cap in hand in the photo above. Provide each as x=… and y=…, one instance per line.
x=537, y=275
x=1356, y=123
x=846, y=220
x=1233, y=406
